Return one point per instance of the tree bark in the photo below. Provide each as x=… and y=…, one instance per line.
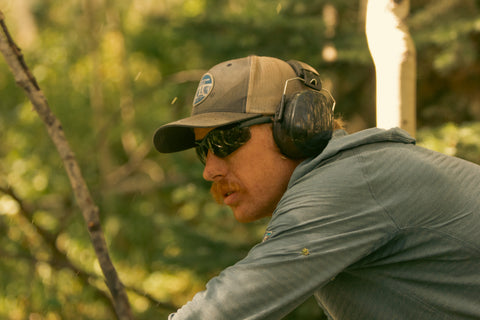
x=25, y=79
x=394, y=56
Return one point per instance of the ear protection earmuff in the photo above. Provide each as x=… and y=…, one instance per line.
x=303, y=122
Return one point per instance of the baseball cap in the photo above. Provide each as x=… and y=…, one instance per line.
x=232, y=91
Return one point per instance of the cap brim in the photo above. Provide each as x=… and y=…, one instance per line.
x=179, y=135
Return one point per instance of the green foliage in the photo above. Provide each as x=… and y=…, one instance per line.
x=461, y=141
x=113, y=71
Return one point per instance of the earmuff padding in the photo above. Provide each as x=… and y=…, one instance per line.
x=306, y=125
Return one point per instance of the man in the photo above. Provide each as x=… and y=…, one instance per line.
x=372, y=225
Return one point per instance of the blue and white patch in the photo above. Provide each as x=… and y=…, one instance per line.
x=204, y=88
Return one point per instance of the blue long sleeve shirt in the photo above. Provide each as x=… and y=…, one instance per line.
x=374, y=227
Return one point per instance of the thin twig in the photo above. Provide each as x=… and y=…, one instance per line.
x=61, y=259
x=25, y=79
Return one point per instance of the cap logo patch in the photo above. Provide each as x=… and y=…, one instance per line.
x=204, y=88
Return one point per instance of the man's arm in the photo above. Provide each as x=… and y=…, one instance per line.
x=317, y=231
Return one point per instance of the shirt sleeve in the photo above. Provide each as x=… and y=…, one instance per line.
x=324, y=223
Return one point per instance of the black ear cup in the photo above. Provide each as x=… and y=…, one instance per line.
x=306, y=125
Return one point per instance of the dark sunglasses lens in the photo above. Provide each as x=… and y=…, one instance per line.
x=222, y=142
x=202, y=152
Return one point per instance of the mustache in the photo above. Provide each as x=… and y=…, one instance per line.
x=220, y=189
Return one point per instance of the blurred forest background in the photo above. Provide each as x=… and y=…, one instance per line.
x=114, y=70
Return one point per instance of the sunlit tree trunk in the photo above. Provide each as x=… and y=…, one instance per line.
x=394, y=56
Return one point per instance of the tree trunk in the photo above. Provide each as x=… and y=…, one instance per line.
x=394, y=56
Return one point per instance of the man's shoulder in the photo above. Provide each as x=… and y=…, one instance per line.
x=342, y=141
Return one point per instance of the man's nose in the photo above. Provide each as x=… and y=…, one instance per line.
x=215, y=167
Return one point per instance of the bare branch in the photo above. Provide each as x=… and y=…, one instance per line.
x=26, y=80
x=61, y=259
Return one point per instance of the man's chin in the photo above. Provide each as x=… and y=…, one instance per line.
x=244, y=217
x=242, y=220
x=239, y=216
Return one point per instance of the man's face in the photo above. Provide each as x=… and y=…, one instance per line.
x=252, y=179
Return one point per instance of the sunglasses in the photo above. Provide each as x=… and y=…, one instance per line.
x=224, y=140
